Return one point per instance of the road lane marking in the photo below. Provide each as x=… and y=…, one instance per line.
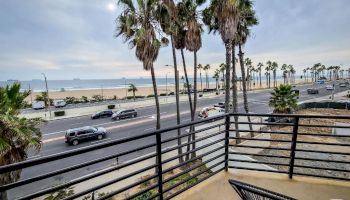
x=98, y=141
x=77, y=123
x=149, y=129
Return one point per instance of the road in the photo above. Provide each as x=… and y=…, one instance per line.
x=54, y=131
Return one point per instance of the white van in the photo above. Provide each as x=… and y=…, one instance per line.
x=210, y=112
x=59, y=103
x=36, y=105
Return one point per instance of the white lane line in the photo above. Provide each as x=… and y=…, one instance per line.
x=36, y=156
x=149, y=129
x=77, y=123
x=99, y=141
x=186, y=120
x=53, y=133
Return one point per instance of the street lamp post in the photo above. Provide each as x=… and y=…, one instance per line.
x=48, y=97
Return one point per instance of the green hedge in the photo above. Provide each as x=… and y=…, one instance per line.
x=151, y=95
x=325, y=104
x=111, y=106
x=59, y=113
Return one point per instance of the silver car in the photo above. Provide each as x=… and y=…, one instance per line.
x=77, y=135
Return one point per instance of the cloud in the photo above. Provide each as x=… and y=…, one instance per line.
x=41, y=64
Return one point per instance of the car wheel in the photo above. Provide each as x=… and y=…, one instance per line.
x=75, y=142
x=117, y=118
x=99, y=137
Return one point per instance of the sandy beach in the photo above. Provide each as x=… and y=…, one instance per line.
x=143, y=91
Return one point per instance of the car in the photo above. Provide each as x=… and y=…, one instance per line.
x=329, y=87
x=312, y=91
x=320, y=82
x=342, y=85
x=59, y=103
x=221, y=105
x=102, y=114
x=77, y=135
x=36, y=105
x=210, y=112
x=124, y=113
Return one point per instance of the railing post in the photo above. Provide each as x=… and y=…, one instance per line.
x=293, y=146
x=227, y=135
x=159, y=165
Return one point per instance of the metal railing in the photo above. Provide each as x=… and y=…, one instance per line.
x=293, y=145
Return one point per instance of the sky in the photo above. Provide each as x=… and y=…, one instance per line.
x=68, y=39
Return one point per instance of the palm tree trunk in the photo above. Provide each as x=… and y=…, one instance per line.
x=234, y=92
x=245, y=98
x=193, y=154
x=228, y=46
x=189, y=99
x=133, y=93
x=156, y=97
x=177, y=96
x=200, y=75
x=260, y=77
x=274, y=78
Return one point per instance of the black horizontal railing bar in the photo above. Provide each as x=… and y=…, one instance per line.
x=190, y=133
x=84, y=178
x=292, y=115
x=193, y=141
x=322, y=176
x=257, y=169
x=257, y=162
x=258, y=147
x=143, y=191
x=193, y=176
x=111, y=194
x=262, y=131
x=110, y=182
x=323, y=143
x=193, y=150
x=67, y=169
x=323, y=160
x=199, y=181
x=266, y=123
x=45, y=159
x=322, y=168
x=192, y=168
x=318, y=151
x=192, y=159
x=262, y=155
x=324, y=135
x=323, y=126
x=259, y=139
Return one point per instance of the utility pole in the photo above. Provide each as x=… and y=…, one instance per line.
x=48, y=97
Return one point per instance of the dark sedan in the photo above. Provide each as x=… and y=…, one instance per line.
x=102, y=114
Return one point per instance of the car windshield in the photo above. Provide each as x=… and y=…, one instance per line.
x=93, y=128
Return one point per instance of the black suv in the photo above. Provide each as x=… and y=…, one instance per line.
x=312, y=91
x=123, y=114
x=102, y=114
x=76, y=135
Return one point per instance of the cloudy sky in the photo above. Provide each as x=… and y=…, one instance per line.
x=75, y=38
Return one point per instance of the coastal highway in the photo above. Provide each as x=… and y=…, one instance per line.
x=54, y=131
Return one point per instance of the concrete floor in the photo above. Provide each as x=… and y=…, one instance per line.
x=218, y=188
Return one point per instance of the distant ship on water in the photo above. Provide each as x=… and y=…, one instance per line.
x=76, y=79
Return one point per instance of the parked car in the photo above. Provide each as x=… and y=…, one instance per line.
x=275, y=119
x=59, y=103
x=36, y=105
x=221, y=105
x=342, y=85
x=329, y=87
x=210, y=112
x=102, y=114
x=312, y=91
x=77, y=135
x=320, y=82
x=123, y=114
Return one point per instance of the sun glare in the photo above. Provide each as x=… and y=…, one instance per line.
x=111, y=7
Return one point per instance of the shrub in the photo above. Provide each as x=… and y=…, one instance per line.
x=84, y=99
x=70, y=100
x=97, y=97
x=111, y=106
x=162, y=94
x=171, y=93
x=139, y=97
x=59, y=113
x=151, y=95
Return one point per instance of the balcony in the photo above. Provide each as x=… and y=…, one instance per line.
x=301, y=156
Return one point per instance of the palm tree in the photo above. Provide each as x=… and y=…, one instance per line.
x=289, y=71
x=133, y=89
x=216, y=77
x=183, y=83
x=283, y=99
x=248, y=64
x=200, y=67
x=284, y=69
x=304, y=74
x=260, y=65
x=268, y=69
x=206, y=69
x=18, y=134
x=45, y=98
x=307, y=74
x=136, y=25
x=292, y=71
x=222, y=68
x=274, y=69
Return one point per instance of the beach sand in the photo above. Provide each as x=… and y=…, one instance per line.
x=144, y=91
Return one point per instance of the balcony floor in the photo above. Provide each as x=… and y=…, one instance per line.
x=308, y=188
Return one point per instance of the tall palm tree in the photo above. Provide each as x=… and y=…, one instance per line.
x=222, y=68
x=206, y=69
x=260, y=65
x=292, y=71
x=274, y=69
x=284, y=69
x=216, y=77
x=200, y=67
x=132, y=88
x=289, y=71
x=307, y=74
x=268, y=69
x=283, y=99
x=136, y=25
x=18, y=134
x=248, y=64
x=304, y=74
